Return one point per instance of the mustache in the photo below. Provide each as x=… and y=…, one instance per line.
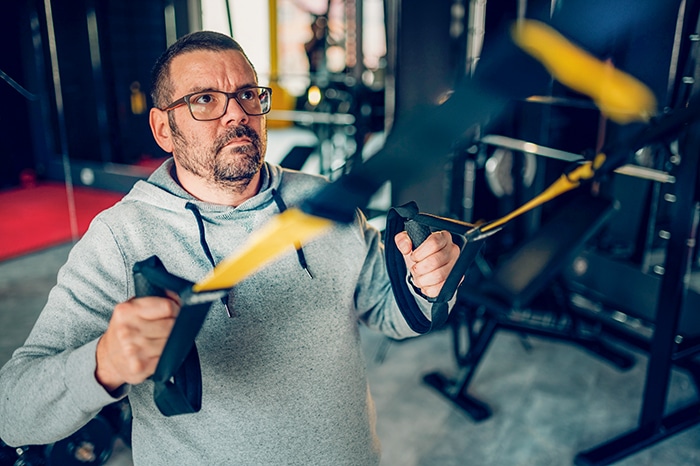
x=236, y=132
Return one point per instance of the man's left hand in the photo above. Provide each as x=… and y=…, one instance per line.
x=431, y=262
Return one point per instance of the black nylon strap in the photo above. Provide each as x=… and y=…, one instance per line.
x=419, y=226
x=177, y=378
x=183, y=393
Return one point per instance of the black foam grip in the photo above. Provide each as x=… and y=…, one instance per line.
x=418, y=232
x=143, y=286
x=151, y=278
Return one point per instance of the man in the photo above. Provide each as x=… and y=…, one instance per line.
x=282, y=371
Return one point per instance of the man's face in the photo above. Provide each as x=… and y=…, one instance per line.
x=227, y=152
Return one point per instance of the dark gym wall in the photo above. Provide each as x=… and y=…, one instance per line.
x=16, y=143
x=101, y=124
x=78, y=84
x=105, y=50
x=132, y=37
x=427, y=62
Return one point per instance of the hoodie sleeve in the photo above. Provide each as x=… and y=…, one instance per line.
x=374, y=296
x=48, y=388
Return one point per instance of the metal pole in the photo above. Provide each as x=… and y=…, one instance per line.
x=60, y=116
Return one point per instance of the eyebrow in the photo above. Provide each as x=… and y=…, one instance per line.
x=194, y=90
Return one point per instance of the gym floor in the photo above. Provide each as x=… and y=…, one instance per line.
x=550, y=400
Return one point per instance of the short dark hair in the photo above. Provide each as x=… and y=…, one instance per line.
x=161, y=85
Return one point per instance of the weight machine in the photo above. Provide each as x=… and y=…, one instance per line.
x=590, y=294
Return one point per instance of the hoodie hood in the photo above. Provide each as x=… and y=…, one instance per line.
x=162, y=190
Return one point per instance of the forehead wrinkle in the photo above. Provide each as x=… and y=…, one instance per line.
x=199, y=72
x=197, y=89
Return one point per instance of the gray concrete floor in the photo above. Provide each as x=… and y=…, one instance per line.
x=549, y=402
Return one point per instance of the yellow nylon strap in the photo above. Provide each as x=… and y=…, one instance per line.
x=564, y=183
x=285, y=232
x=618, y=95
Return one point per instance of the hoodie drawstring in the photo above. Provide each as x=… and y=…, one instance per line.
x=202, y=234
x=300, y=252
x=205, y=246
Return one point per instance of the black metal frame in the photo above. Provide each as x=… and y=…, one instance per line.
x=664, y=348
x=504, y=300
x=664, y=351
x=488, y=308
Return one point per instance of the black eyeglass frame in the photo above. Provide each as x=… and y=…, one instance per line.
x=184, y=100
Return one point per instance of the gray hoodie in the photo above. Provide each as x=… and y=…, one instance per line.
x=284, y=380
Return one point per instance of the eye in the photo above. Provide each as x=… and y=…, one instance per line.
x=204, y=98
x=247, y=94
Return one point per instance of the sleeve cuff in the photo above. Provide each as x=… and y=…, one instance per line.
x=81, y=383
x=425, y=303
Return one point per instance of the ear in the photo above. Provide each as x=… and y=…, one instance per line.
x=158, y=119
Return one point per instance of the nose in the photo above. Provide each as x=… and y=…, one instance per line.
x=234, y=113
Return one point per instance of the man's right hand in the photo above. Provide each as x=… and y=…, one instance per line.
x=129, y=350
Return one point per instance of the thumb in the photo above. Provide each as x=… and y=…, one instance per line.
x=403, y=243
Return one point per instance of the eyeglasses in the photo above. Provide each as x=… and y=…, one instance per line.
x=212, y=105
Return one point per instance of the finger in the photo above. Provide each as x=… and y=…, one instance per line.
x=431, y=291
x=174, y=296
x=136, y=355
x=134, y=343
x=147, y=348
x=431, y=284
x=433, y=277
x=137, y=319
x=154, y=330
x=153, y=308
x=444, y=257
x=434, y=243
x=403, y=243
x=140, y=327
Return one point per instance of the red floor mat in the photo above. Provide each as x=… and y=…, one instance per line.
x=35, y=218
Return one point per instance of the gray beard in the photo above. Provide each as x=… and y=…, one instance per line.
x=238, y=174
x=208, y=163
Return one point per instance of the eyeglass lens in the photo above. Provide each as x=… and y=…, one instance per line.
x=211, y=105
